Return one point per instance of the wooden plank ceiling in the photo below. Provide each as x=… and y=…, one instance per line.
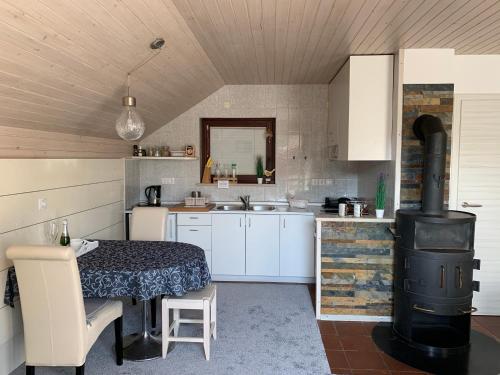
x=63, y=63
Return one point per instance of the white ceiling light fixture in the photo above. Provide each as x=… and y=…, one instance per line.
x=130, y=126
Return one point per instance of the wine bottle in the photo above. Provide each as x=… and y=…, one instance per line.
x=64, y=241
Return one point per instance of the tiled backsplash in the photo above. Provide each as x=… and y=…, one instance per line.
x=302, y=166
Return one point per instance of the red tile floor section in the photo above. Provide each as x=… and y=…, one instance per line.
x=351, y=350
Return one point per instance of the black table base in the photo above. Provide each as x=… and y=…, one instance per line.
x=483, y=357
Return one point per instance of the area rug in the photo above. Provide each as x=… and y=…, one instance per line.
x=262, y=329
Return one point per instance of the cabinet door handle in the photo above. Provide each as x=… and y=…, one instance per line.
x=284, y=223
x=193, y=230
x=249, y=222
x=194, y=217
x=240, y=222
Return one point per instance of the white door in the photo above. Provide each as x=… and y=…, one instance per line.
x=478, y=191
x=297, y=245
x=228, y=244
x=198, y=235
x=262, y=255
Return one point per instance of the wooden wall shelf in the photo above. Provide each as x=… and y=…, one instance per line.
x=162, y=158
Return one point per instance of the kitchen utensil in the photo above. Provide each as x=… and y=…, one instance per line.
x=342, y=209
x=153, y=194
x=298, y=203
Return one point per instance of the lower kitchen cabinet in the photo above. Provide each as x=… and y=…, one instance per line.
x=198, y=235
x=228, y=244
x=296, y=255
x=262, y=245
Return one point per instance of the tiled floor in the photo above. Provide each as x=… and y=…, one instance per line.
x=351, y=350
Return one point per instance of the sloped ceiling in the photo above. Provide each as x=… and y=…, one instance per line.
x=63, y=64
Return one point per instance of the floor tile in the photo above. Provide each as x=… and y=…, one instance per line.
x=341, y=371
x=337, y=359
x=327, y=328
x=360, y=343
x=331, y=342
x=351, y=328
x=394, y=365
x=365, y=360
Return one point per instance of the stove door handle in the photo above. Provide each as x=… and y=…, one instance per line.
x=472, y=310
x=418, y=308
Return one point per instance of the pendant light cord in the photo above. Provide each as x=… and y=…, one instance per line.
x=140, y=65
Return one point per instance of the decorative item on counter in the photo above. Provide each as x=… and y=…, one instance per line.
x=217, y=170
x=136, y=151
x=190, y=151
x=269, y=175
x=195, y=194
x=65, y=240
x=342, y=209
x=226, y=171
x=380, y=197
x=260, y=170
x=197, y=201
x=357, y=209
x=207, y=172
x=157, y=152
x=298, y=203
x=233, y=169
x=165, y=151
x=52, y=232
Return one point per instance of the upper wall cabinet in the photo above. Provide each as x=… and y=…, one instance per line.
x=360, y=109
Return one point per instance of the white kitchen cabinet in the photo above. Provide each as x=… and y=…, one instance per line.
x=296, y=246
x=198, y=235
x=262, y=245
x=360, y=109
x=228, y=244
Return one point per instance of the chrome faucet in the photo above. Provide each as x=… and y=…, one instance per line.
x=246, y=201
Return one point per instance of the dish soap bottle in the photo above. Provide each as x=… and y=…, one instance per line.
x=64, y=241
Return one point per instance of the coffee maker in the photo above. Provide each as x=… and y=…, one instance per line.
x=153, y=194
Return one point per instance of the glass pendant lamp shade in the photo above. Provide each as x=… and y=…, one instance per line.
x=130, y=125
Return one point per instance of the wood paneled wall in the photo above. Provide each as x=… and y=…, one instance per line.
x=89, y=193
x=27, y=143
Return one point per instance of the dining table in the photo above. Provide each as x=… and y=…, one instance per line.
x=138, y=269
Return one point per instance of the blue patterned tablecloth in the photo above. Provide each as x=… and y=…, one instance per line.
x=139, y=269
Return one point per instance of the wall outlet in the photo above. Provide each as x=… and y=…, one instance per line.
x=42, y=204
x=168, y=181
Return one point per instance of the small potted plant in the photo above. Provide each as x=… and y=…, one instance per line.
x=260, y=170
x=380, y=197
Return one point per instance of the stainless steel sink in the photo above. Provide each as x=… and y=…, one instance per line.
x=233, y=207
x=262, y=208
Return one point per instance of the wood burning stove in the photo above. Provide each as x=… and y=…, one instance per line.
x=434, y=259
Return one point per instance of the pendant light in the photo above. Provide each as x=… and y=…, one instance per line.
x=130, y=126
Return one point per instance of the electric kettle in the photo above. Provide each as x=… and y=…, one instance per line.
x=153, y=193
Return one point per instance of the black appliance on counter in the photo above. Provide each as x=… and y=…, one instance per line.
x=153, y=194
x=434, y=260
x=331, y=205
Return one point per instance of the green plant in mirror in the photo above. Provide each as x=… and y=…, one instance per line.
x=380, y=195
x=260, y=167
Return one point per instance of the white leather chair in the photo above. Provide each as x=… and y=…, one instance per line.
x=60, y=327
x=149, y=224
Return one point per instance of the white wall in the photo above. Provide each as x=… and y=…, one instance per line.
x=477, y=74
x=301, y=113
x=89, y=193
x=427, y=65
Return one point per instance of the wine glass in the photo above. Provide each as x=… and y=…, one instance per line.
x=52, y=232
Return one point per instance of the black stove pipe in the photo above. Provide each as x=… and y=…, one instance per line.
x=430, y=131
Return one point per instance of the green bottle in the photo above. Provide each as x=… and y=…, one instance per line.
x=64, y=241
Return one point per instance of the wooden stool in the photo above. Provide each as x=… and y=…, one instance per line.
x=204, y=299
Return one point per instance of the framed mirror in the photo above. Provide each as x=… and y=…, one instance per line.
x=238, y=141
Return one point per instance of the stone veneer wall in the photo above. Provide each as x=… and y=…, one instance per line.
x=356, y=268
x=418, y=99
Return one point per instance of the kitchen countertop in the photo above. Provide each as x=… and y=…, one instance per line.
x=284, y=208
x=366, y=218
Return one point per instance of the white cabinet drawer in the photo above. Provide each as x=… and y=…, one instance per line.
x=197, y=235
x=194, y=219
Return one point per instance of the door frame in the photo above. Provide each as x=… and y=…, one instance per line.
x=459, y=99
